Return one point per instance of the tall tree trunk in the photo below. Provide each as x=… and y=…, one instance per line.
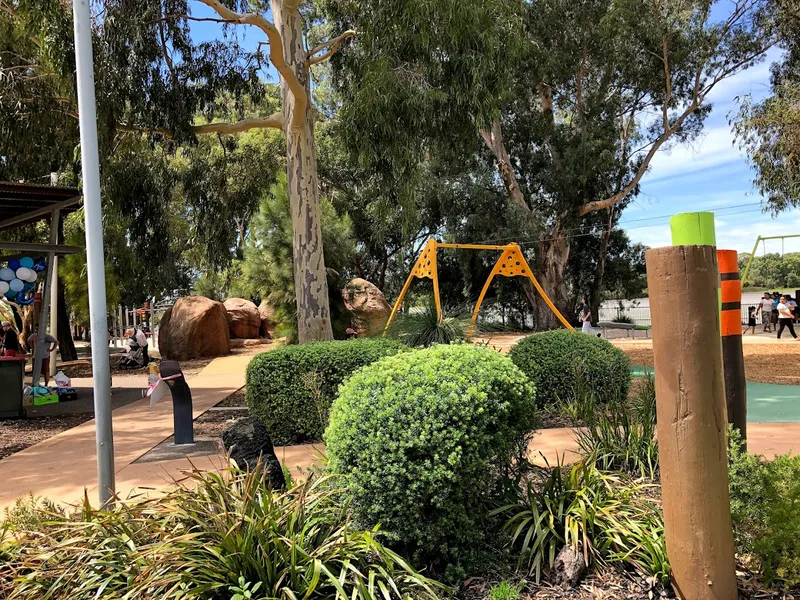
x=600, y=269
x=553, y=256
x=66, y=345
x=310, y=281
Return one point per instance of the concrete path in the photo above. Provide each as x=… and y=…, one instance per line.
x=62, y=466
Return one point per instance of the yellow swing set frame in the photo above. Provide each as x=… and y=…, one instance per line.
x=511, y=263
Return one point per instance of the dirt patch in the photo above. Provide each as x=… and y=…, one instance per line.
x=763, y=363
x=83, y=369
x=235, y=399
x=18, y=434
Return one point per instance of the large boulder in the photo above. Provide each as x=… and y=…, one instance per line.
x=368, y=305
x=269, y=319
x=244, y=318
x=246, y=441
x=194, y=327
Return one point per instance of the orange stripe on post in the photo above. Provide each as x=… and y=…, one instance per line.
x=728, y=261
x=731, y=291
x=731, y=322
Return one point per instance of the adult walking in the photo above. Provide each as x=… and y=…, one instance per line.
x=586, y=319
x=766, y=312
x=785, y=318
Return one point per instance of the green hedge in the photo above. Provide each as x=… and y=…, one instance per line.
x=291, y=389
x=423, y=439
x=554, y=359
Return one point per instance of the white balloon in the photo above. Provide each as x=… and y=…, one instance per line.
x=3, y=288
x=32, y=277
x=23, y=273
x=16, y=285
x=6, y=274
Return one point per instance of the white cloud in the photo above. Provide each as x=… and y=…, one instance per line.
x=714, y=148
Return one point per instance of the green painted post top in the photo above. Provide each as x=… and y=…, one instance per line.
x=693, y=229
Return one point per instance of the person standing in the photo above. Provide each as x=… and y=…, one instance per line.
x=141, y=339
x=785, y=318
x=766, y=312
x=751, y=320
x=586, y=319
x=51, y=344
x=10, y=340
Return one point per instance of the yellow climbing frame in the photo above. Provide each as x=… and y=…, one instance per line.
x=511, y=263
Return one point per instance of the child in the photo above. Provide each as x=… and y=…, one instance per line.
x=751, y=320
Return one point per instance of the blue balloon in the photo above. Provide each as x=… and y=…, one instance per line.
x=10, y=294
x=26, y=262
x=7, y=274
x=39, y=265
x=13, y=264
x=23, y=299
x=16, y=285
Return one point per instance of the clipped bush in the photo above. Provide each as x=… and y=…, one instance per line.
x=424, y=439
x=291, y=388
x=555, y=360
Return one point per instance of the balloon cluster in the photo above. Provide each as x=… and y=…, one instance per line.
x=18, y=279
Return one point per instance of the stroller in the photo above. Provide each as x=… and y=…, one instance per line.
x=133, y=357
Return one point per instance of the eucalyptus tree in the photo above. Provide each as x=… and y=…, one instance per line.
x=152, y=77
x=769, y=129
x=571, y=100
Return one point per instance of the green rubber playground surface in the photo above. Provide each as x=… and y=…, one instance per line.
x=766, y=402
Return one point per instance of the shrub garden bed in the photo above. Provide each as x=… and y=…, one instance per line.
x=427, y=493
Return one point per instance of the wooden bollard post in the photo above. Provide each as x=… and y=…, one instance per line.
x=692, y=420
x=731, y=326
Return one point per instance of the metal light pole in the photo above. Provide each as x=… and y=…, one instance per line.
x=95, y=263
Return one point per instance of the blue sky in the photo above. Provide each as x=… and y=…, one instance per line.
x=711, y=173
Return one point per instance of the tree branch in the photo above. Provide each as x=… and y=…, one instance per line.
x=275, y=55
x=494, y=141
x=274, y=121
x=331, y=45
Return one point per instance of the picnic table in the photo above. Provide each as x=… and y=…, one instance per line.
x=629, y=328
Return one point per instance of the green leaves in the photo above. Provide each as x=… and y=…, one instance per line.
x=425, y=440
x=597, y=512
x=291, y=389
x=555, y=360
x=225, y=535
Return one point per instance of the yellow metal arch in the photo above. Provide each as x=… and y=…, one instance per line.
x=511, y=263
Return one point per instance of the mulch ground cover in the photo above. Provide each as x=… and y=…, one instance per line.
x=18, y=434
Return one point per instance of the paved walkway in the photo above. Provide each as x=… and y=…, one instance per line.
x=60, y=467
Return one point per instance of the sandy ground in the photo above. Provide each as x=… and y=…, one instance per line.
x=763, y=363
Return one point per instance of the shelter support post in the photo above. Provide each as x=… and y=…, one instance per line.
x=95, y=262
x=692, y=422
x=40, y=348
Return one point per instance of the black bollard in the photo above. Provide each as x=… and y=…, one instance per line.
x=181, y=401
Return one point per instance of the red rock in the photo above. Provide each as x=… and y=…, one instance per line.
x=245, y=321
x=194, y=327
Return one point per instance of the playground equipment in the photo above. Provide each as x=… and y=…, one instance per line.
x=511, y=263
x=760, y=239
x=683, y=283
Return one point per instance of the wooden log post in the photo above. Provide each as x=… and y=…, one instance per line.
x=731, y=327
x=692, y=420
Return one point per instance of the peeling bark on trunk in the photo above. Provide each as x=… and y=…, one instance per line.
x=310, y=282
x=600, y=269
x=553, y=256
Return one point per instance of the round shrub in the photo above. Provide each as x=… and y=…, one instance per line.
x=424, y=439
x=555, y=360
x=291, y=389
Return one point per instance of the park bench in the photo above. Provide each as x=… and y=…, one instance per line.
x=630, y=328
